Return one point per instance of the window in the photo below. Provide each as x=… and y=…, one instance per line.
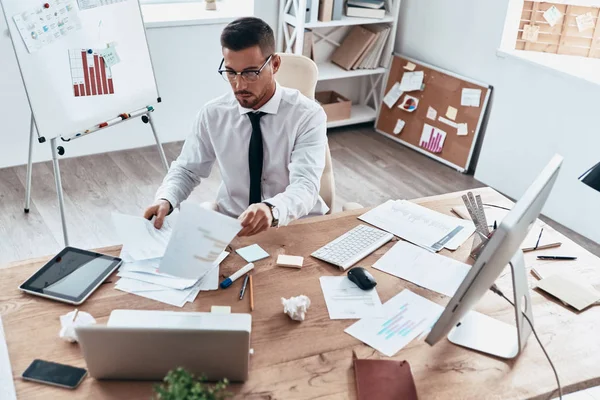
x=563, y=35
x=162, y=13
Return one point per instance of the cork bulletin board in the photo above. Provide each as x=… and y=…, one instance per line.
x=441, y=90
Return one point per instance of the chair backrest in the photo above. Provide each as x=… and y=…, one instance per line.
x=292, y=67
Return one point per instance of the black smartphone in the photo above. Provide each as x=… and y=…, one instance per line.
x=55, y=374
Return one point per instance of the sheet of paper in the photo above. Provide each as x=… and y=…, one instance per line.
x=198, y=239
x=585, y=21
x=432, y=139
x=462, y=130
x=141, y=240
x=431, y=113
x=531, y=33
x=393, y=95
x=87, y=4
x=570, y=290
x=345, y=300
x=412, y=81
x=399, y=126
x=552, y=15
x=451, y=113
x=110, y=56
x=410, y=221
x=470, y=98
x=410, y=66
x=252, y=253
x=448, y=122
x=41, y=26
x=409, y=103
x=421, y=267
x=173, y=297
x=7, y=385
x=405, y=316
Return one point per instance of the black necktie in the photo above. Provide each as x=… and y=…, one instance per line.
x=255, y=158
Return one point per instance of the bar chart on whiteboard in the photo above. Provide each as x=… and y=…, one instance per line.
x=90, y=75
x=432, y=139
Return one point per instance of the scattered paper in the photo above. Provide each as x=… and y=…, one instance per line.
x=451, y=113
x=296, y=307
x=110, y=56
x=410, y=66
x=252, y=253
x=552, y=15
x=399, y=126
x=174, y=297
x=463, y=130
x=569, y=290
x=406, y=316
x=141, y=240
x=409, y=103
x=531, y=33
x=41, y=26
x=345, y=300
x=90, y=75
x=429, y=270
x=585, y=21
x=412, y=81
x=448, y=122
x=432, y=139
x=198, y=239
x=413, y=223
x=7, y=384
x=87, y=4
x=431, y=113
x=470, y=98
x=393, y=95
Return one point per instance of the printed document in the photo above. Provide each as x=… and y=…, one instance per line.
x=345, y=300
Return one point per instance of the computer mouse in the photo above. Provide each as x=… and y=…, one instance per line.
x=362, y=278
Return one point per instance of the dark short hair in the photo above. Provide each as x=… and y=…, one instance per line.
x=247, y=32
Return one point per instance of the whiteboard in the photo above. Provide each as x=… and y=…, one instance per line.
x=47, y=74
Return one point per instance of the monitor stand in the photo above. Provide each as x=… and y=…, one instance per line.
x=488, y=335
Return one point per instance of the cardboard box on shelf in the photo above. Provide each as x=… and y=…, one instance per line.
x=336, y=106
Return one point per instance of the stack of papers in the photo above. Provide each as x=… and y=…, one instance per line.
x=345, y=300
x=419, y=225
x=404, y=317
x=431, y=271
x=143, y=249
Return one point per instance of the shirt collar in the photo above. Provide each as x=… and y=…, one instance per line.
x=270, y=107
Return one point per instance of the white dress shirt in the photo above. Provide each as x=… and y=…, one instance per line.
x=294, y=133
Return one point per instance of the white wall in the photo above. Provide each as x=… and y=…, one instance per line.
x=536, y=112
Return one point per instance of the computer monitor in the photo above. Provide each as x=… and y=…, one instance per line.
x=480, y=332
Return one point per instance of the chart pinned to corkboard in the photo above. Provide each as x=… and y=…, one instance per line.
x=433, y=111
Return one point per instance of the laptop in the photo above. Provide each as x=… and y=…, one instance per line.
x=146, y=345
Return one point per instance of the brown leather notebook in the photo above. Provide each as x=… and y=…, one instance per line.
x=384, y=380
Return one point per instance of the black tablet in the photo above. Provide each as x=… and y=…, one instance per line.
x=71, y=276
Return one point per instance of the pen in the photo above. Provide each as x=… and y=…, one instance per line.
x=227, y=282
x=251, y=295
x=243, y=291
x=539, y=237
x=556, y=258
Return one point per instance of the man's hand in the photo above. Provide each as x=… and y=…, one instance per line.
x=160, y=209
x=256, y=219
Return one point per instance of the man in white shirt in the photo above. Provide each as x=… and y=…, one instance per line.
x=269, y=141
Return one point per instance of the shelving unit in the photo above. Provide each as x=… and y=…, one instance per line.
x=328, y=35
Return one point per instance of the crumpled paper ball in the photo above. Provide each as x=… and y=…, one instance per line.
x=296, y=307
x=67, y=330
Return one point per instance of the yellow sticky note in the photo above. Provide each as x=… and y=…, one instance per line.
x=451, y=113
x=410, y=66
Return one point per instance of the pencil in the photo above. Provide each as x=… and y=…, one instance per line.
x=251, y=294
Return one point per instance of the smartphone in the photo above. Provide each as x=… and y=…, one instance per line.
x=55, y=374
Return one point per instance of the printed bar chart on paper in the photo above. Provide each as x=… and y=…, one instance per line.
x=432, y=139
x=89, y=73
x=406, y=316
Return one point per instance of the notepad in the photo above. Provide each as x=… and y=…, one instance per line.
x=570, y=291
x=252, y=253
x=384, y=380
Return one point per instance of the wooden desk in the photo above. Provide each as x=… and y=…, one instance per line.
x=313, y=359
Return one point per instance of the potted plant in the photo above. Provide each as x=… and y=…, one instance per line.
x=179, y=384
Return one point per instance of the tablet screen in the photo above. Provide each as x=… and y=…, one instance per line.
x=71, y=274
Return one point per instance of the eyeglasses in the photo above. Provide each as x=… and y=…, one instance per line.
x=249, y=75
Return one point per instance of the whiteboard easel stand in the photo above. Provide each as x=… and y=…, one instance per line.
x=146, y=116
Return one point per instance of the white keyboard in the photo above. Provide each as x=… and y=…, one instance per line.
x=353, y=246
